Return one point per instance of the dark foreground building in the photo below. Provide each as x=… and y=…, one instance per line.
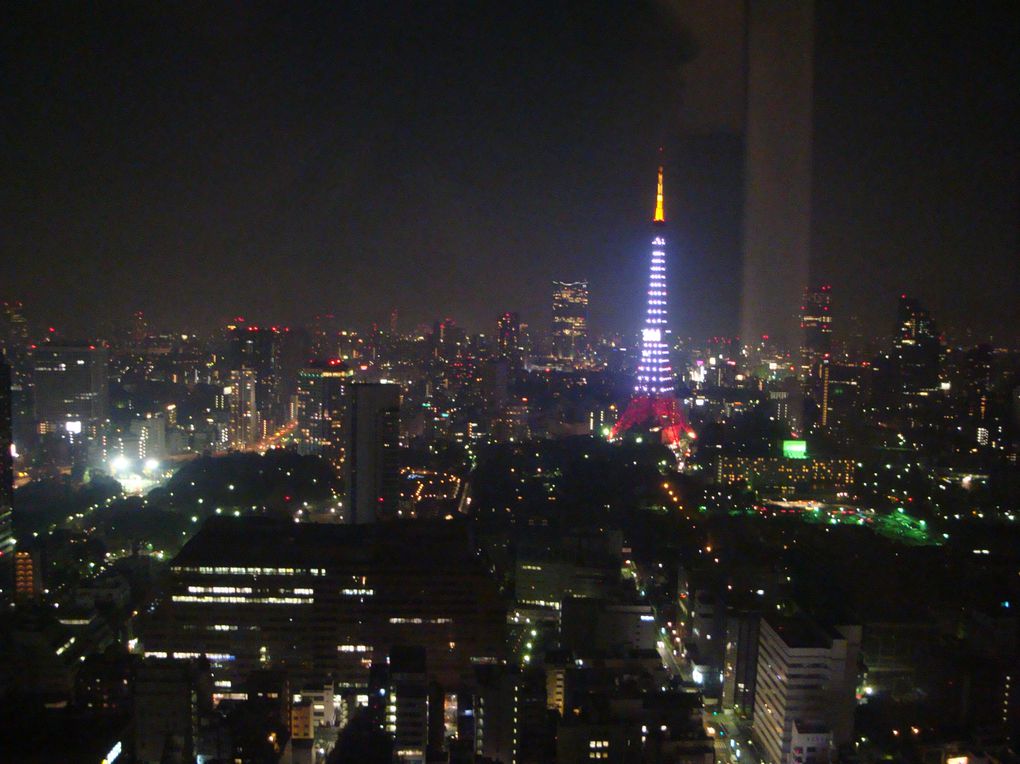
x=324, y=601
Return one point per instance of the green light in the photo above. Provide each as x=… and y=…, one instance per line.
x=795, y=449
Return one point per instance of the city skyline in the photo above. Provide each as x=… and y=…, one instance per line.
x=362, y=403
x=169, y=173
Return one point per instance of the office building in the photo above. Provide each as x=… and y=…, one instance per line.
x=322, y=601
x=371, y=466
x=150, y=433
x=168, y=698
x=805, y=688
x=71, y=388
x=511, y=719
x=448, y=339
x=407, y=703
x=816, y=328
x=508, y=339
x=589, y=625
x=905, y=380
x=740, y=661
x=785, y=475
x=274, y=354
x=570, y=319
x=13, y=329
x=916, y=348
x=321, y=399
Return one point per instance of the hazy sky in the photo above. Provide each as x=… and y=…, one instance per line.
x=276, y=160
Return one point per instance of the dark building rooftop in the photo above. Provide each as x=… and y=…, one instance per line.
x=801, y=631
x=223, y=541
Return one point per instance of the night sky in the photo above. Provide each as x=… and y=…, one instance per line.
x=198, y=161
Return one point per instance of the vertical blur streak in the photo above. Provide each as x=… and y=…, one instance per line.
x=777, y=212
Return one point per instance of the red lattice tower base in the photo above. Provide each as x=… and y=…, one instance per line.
x=654, y=412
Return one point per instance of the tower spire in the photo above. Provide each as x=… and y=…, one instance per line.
x=660, y=215
x=654, y=404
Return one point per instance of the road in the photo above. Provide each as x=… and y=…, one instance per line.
x=732, y=738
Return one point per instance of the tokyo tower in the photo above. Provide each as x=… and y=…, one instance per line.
x=654, y=406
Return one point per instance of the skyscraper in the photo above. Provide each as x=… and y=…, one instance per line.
x=570, y=318
x=816, y=327
x=14, y=335
x=258, y=349
x=71, y=389
x=916, y=347
x=371, y=469
x=321, y=394
x=654, y=405
x=244, y=416
x=447, y=339
x=508, y=338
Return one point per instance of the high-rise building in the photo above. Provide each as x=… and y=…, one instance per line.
x=6, y=461
x=508, y=339
x=258, y=349
x=907, y=377
x=816, y=327
x=371, y=467
x=294, y=345
x=71, y=388
x=324, y=330
x=167, y=700
x=805, y=685
x=321, y=398
x=447, y=339
x=243, y=425
x=740, y=661
x=14, y=335
x=150, y=433
x=914, y=322
x=654, y=404
x=407, y=703
x=570, y=318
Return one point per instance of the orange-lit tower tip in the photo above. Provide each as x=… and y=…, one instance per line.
x=660, y=215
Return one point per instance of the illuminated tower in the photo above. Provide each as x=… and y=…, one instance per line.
x=654, y=405
x=655, y=377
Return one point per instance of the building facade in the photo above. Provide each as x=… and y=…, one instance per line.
x=805, y=688
x=321, y=402
x=570, y=319
x=371, y=467
x=71, y=387
x=323, y=602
